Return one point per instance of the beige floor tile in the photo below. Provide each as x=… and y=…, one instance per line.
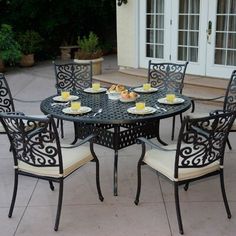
x=203, y=218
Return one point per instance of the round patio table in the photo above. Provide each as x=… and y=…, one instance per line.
x=115, y=127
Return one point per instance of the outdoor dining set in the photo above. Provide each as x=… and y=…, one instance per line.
x=117, y=117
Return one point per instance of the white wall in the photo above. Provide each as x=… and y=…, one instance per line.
x=127, y=34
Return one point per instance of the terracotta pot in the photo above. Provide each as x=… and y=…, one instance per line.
x=2, y=66
x=27, y=60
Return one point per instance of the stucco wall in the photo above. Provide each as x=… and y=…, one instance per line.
x=127, y=34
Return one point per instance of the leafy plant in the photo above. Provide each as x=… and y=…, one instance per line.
x=9, y=48
x=30, y=42
x=89, y=47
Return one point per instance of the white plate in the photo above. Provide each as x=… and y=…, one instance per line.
x=141, y=90
x=147, y=110
x=129, y=99
x=70, y=98
x=82, y=110
x=176, y=101
x=90, y=90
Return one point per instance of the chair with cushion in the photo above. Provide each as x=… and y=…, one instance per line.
x=72, y=76
x=37, y=153
x=229, y=102
x=168, y=77
x=198, y=154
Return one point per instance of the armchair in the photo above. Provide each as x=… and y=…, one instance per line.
x=72, y=76
x=37, y=153
x=167, y=76
x=199, y=154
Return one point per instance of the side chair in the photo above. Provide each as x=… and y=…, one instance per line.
x=169, y=77
x=72, y=76
x=198, y=154
x=37, y=153
x=229, y=102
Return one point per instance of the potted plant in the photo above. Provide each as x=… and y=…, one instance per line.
x=30, y=42
x=9, y=48
x=89, y=50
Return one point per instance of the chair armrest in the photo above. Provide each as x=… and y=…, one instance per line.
x=89, y=138
x=146, y=141
x=200, y=131
x=215, y=112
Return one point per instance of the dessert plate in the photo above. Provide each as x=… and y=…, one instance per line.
x=176, y=101
x=82, y=110
x=70, y=98
x=141, y=90
x=90, y=90
x=145, y=111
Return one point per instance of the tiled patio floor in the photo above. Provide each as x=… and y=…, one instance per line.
x=203, y=212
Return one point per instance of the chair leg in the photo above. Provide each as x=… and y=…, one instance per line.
x=14, y=195
x=58, y=123
x=173, y=129
x=138, y=183
x=224, y=193
x=75, y=133
x=158, y=135
x=97, y=172
x=98, y=181
x=62, y=128
x=51, y=185
x=176, y=186
x=60, y=197
x=228, y=143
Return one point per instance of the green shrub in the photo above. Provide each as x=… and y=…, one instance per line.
x=30, y=42
x=9, y=48
x=89, y=47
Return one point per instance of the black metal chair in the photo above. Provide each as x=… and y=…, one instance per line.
x=199, y=153
x=229, y=102
x=169, y=77
x=37, y=153
x=72, y=76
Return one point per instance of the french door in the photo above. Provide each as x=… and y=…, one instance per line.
x=202, y=32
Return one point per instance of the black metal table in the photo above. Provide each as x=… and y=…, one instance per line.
x=116, y=128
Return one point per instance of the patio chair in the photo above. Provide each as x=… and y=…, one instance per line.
x=37, y=153
x=199, y=153
x=167, y=76
x=229, y=102
x=73, y=77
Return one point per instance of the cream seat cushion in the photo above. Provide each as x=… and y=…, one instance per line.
x=164, y=162
x=199, y=115
x=72, y=158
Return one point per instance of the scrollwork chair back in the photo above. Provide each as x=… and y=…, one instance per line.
x=34, y=141
x=230, y=96
x=202, y=141
x=6, y=100
x=73, y=76
x=168, y=76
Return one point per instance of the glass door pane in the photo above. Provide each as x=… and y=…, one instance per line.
x=188, y=30
x=225, y=38
x=155, y=29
